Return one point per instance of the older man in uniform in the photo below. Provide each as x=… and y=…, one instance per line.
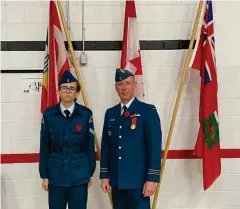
x=67, y=151
x=131, y=148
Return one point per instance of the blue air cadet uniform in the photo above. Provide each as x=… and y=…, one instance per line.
x=67, y=153
x=130, y=150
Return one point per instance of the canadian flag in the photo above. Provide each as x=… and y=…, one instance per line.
x=131, y=56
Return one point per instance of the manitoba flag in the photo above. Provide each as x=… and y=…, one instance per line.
x=131, y=56
x=55, y=60
x=208, y=144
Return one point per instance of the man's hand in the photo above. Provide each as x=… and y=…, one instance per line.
x=149, y=188
x=105, y=185
x=45, y=184
x=90, y=183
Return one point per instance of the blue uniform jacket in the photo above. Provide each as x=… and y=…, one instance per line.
x=130, y=157
x=67, y=151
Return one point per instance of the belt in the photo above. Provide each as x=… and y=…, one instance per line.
x=67, y=150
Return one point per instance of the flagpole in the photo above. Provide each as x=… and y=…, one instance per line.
x=77, y=71
x=180, y=89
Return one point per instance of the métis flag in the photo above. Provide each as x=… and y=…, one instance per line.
x=131, y=56
x=55, y=60
x=208, y=144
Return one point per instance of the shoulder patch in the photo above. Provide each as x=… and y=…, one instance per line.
x=90, y=119
x=91, y=131
x=153, y=107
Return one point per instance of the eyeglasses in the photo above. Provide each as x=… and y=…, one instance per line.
x=65, y=89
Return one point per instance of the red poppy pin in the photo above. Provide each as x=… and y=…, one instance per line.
x=78, y=128
x=126, y=114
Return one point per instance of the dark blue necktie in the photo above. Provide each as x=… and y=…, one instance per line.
x=124, y=109
x=67, y=112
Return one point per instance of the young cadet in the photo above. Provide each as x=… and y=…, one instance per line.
x=131, y=148
x=67, y=151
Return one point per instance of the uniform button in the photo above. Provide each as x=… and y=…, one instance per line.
x=119, y=147
x=65, y=136
x=120, y=126
x=120, y=137
x=120, y=158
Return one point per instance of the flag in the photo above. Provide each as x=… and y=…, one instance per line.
x=131, y=56
x=55, y=60
x=208, y=141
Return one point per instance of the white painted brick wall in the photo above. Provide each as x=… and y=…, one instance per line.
x=157, y=20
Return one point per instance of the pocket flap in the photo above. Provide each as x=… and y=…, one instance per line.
x=78, y=162
x=75, y=163
x=56, y=162
x=54, y=130
x=111, y=124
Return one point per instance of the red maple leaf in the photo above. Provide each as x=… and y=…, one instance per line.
x=137, y=63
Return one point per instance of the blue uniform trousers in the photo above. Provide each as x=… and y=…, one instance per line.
x=129, y=199
x=74, y=196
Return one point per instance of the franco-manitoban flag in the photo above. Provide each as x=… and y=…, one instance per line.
x=55, y=61
x=208, y=144
x=131, y=56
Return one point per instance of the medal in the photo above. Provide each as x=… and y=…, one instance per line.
x=134, y=122
x=133, y=126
